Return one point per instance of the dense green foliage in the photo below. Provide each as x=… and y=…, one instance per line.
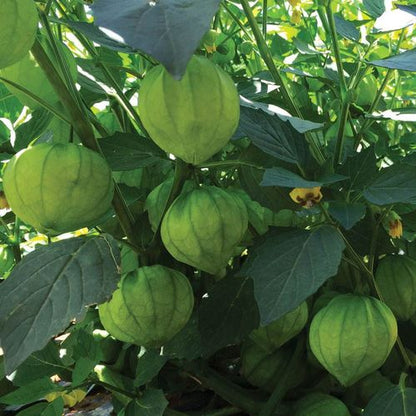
x=208, y=207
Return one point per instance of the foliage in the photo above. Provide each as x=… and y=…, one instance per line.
x=244, y=173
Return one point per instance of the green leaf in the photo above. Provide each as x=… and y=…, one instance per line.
x=374, y=8
x=360, y=168
x=32, y=129
x=287, y=267
x=34, y=410
x=406, y=61
x=81, y=344
x=50, y=287
x=299, y=124
x=148, y=367
x=259, y=217
x=392, y=185
x=228, y=314
x=346, y=214
x=274, y=136
x=113, y=378
x=273, y=198
x=346, y=29
x=55, y=408
x=187, y=343
x=160, y=29
x=125, y=151
x=286, y=178
x=396, y=19
x=83, y=368
x=96, y=35
x=41, y=363
x=395, y=401
x=398, y=114
x=152, y=403
x=30, y=392
x=4, y=132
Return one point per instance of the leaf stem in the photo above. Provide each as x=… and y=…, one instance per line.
x=182, y=172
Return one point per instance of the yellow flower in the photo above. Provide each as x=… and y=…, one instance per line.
x=70, y=399
x=3, y=201
x=307, y=197
x=210, y=48
x=294, y=3
x=296, y=16
x=395, y=228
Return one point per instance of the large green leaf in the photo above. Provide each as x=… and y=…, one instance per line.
x=395, y=401
x=41, y=363
x=360, y=168
x=395, y=19
x=405, y=61
x=398, y=114
x=289, y=266
x=286, y=178
x=159, y=28
x=393, y=184
x=228, y=313
x=299, y=124
x=95, y=34
x=347, y=214
x=32, y=129
x=50, y=287
x=125, y=151
x=346, y=29
x=282, y=177
x=274, y=136
x=374, y=8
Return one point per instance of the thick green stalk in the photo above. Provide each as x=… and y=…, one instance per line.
x=85, y=131
x=267, y=57
x=264, y=25
x=339, y=146
x=278, y=79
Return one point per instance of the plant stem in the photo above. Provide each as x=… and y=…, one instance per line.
x=264, y=27
x=268, y=60
x=368, y=122
x=267, y=57
x=236, y=395
x=182, y=172
x=86, y=133
x=227, y=163
x=110, y=387
x=339, y=146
